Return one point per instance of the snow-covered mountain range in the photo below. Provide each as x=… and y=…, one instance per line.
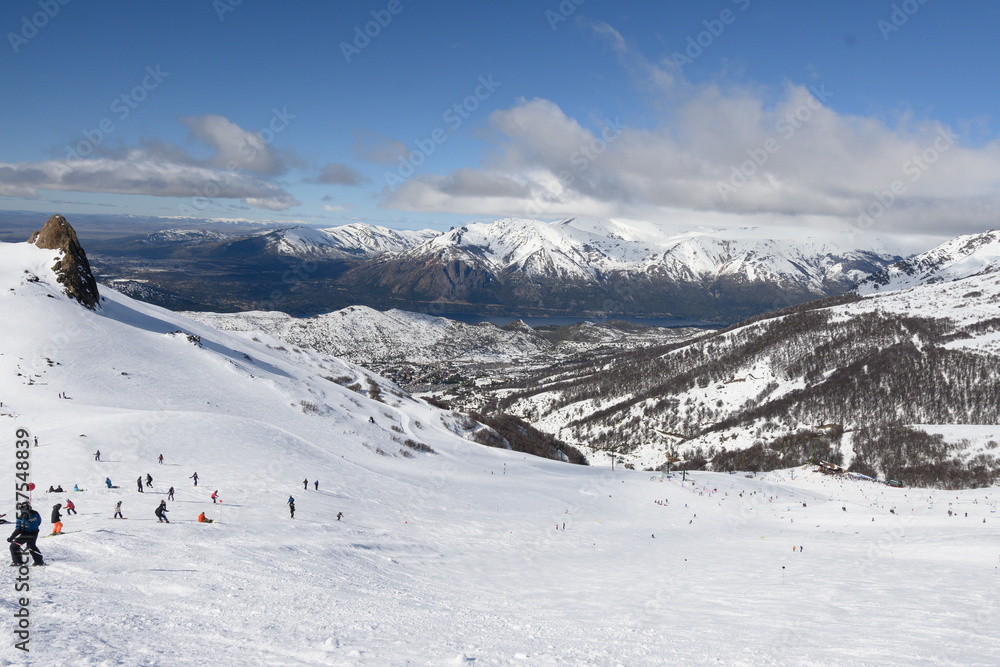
x=511, y=267
x=926, y=353
x=572, y=249
x=358, y=240
x=608, y=267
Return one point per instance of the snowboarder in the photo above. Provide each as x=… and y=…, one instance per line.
x=97, y=456
x=202, y=519
x=139, y=483
x=118, y=510
x=305, y=484
x=161, y=459
x=195, y=478
x=56, y=520
x=215, y=496
x=26, y=530
x=149, y=481
x=371, y=420
x=291, y=506
x=70, y=507
x=317, y=484
x=161, y=511
x=339, y=515
x=170, y=494
x=107, y=480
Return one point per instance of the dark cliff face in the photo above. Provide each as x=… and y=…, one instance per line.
x=72, y=269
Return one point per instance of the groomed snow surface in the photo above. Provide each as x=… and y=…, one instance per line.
x=442, y=558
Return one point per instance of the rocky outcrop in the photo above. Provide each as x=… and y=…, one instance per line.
x=72, y=270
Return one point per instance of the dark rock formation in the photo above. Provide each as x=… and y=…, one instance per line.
x=72, y=269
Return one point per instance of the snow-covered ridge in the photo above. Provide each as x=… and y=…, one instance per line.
x=190, y=236
x=366, y=335
x=930, y=336
x=956, y=259
x=584, y=250
x=356, y=240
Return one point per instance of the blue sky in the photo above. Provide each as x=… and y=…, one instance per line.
x=688, y=113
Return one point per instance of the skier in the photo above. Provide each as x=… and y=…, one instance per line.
x=202, y=519
x=291, y=506
x=160, y=512
x=97, y=456
x=139, y=483
x=305, y=484
x=161, y=459
x=215, y=496
x=317, y=484
x=70, y=507
x=26, y=530
x=149, y=481
x=195, y=478
x=339, y=515
x=107, y=480
x=170, y=494
x=56, y=520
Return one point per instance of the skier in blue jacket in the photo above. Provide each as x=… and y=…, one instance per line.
x=24, y=535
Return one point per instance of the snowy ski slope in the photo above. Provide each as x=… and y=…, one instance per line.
x=444, y=558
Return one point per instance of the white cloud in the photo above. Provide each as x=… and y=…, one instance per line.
x=722, y=152
x=233, y=145
x=340, y=174
x=237, y=169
